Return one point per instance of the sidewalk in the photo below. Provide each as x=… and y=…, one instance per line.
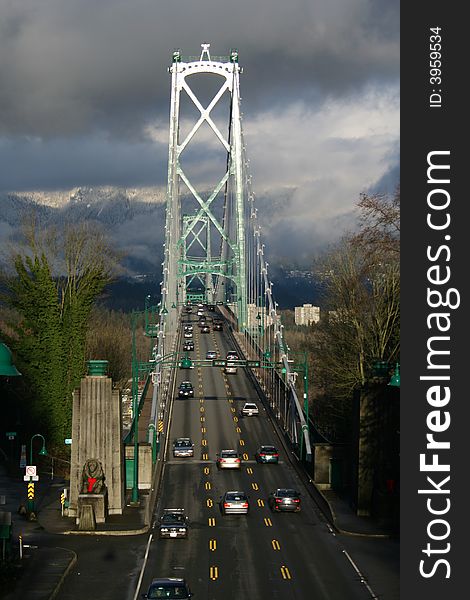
x=40, y=572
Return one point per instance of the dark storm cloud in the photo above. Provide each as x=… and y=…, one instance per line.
x=29, y=164
x=73, y=66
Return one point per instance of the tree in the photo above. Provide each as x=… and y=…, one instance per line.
x=363, y=295
x=55, y=282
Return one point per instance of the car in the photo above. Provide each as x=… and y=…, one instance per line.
x=188, y=345
x=173, y=523
x=189, y=308
x=218, y=326
x=267, y=454
x=168, y=587
x=211, y=354
x=285, y=500
x=200, y=312
x=235, y=503
x=219, y=303
x=183, y=447
x=228, y=459
x=205, y=329
x=188, y=327
x=188, y=334
x=202, y=321
x=186, y=390
x=249, y=410
x=211, y=307
x=231, y=367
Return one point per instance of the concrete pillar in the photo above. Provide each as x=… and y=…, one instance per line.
x=97, y=433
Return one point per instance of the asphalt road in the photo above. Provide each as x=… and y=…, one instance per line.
x=259, y=555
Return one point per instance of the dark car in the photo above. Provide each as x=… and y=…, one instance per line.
x=284, y=499
x=218, y=326
x=267, y=454
x=205, y=329
x=173, y=523
x=168, y=587
x=183, y=447
x=186, y=390
x=188, y=345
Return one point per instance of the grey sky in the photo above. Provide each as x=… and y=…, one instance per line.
x=84, y=92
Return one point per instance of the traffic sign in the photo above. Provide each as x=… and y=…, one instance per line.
x=10, y=434
x=68, y=441
x=219, y=363
x=30, y=470
x=31, y=477
x=252, y=363
x=30, y=491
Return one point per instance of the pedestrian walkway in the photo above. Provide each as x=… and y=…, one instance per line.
x=40, y=570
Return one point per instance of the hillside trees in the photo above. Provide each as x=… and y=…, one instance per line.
x=55, y=281
x=363, y=296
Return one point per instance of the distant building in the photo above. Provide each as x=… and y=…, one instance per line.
x=258, y=317
x=307, y=314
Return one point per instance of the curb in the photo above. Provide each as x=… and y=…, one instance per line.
x=73, y=560
x=109, y=532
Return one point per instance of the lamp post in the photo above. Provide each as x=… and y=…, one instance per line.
x=7, y=368
x=42, y=452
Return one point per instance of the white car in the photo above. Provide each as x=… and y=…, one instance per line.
x=228, y=459
x=188, y=334
x=250, y=409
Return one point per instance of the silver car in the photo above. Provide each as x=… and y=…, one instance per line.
x=183, y=447
x=234, y=503
x=228, y=459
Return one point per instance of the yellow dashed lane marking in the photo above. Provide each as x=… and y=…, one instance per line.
x=233, y=409
x=203, y=419
x=235, y=419
x=206, y=470
x=238, y=430
x=212, y=545
x=204, y=442
x=255, y=486
x=260, y=502
x=207, y=485
x=211, y=521
x=285, y=572
x=275, y=544
x=205, y=456
x=203, y=430
x=209, y=503
x=249, y=470
x=241, y=442
x=245, y=456
x=201, y=400
x=213, y=572
x=201, y=409
x=268, y=522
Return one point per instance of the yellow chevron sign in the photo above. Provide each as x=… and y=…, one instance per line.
x=30, y=491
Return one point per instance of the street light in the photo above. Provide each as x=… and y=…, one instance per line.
x=42, y=452
x=395, y=379
x=7, y=368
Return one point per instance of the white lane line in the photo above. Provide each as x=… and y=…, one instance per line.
x=361, y=576
x=139, y=583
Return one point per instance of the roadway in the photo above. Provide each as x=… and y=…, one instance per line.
x=259, y=555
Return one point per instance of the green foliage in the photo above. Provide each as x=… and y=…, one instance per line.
x=53, y=310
